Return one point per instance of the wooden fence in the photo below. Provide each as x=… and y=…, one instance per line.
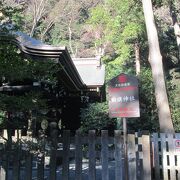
x=155, y=156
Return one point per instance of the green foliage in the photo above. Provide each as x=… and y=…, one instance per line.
x=170, y=54
x=29, y=101
x=15, y=105
x=114, y=68
x=2, y=117
x=149, y=116
x=122, y=24
x=148, y=119
x=119, y=22
x=14, y=67
x=95, y=116
x=12, y=15
x=123, y=28
x=99, y=16
x=174, y=97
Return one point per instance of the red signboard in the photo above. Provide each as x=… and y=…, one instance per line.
x=123, y=96
x=177, y=145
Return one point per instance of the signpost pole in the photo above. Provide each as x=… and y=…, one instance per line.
x=124, y=103
x=125, y=147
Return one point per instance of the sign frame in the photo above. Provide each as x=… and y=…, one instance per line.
x=123, y=96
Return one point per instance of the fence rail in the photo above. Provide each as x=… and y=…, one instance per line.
x=155, y=156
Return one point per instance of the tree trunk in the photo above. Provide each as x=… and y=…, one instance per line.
x=155, y=60
x=137, y=57
x=38, y=9
x=70, y=40
x=49, y=26
x=33, y=28
x=29, y=130
x=176, y=26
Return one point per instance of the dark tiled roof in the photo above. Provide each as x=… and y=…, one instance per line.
x=78, y=74
x=91, y=70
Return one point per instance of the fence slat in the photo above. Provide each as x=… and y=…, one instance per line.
x=177, y=136
x=168, y=165
x=170, y=140
x=66, y=148
x=4, y=174
x=16, y=164
x=53, y=165
x=164, y=156
x=131, y=157
x=28, y=166
x=138, y=146
x=104, y=154
x=40, y=173
x=155, y=142
x=146, y=157
x=78, y=156
x=92, y=158
x=119, y=175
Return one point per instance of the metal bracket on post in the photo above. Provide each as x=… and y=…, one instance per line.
x=119, y=124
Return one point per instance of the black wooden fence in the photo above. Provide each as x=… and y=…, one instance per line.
x=95, y=157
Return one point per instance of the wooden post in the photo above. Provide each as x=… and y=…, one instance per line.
x=78, y=156
x=164, y=156
x=138, y=151
x=92, y=155
x=177, y=137
x=146, y=157
x=125, y=147
x=156, y=155
x=118, y=142
x=104, y=154
x=53, y=164
x=66, y=149
x=171, y=150
x=4, y=168
x=16, y=164
x=28, y=166
x=131, y=155
x=40, y=173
